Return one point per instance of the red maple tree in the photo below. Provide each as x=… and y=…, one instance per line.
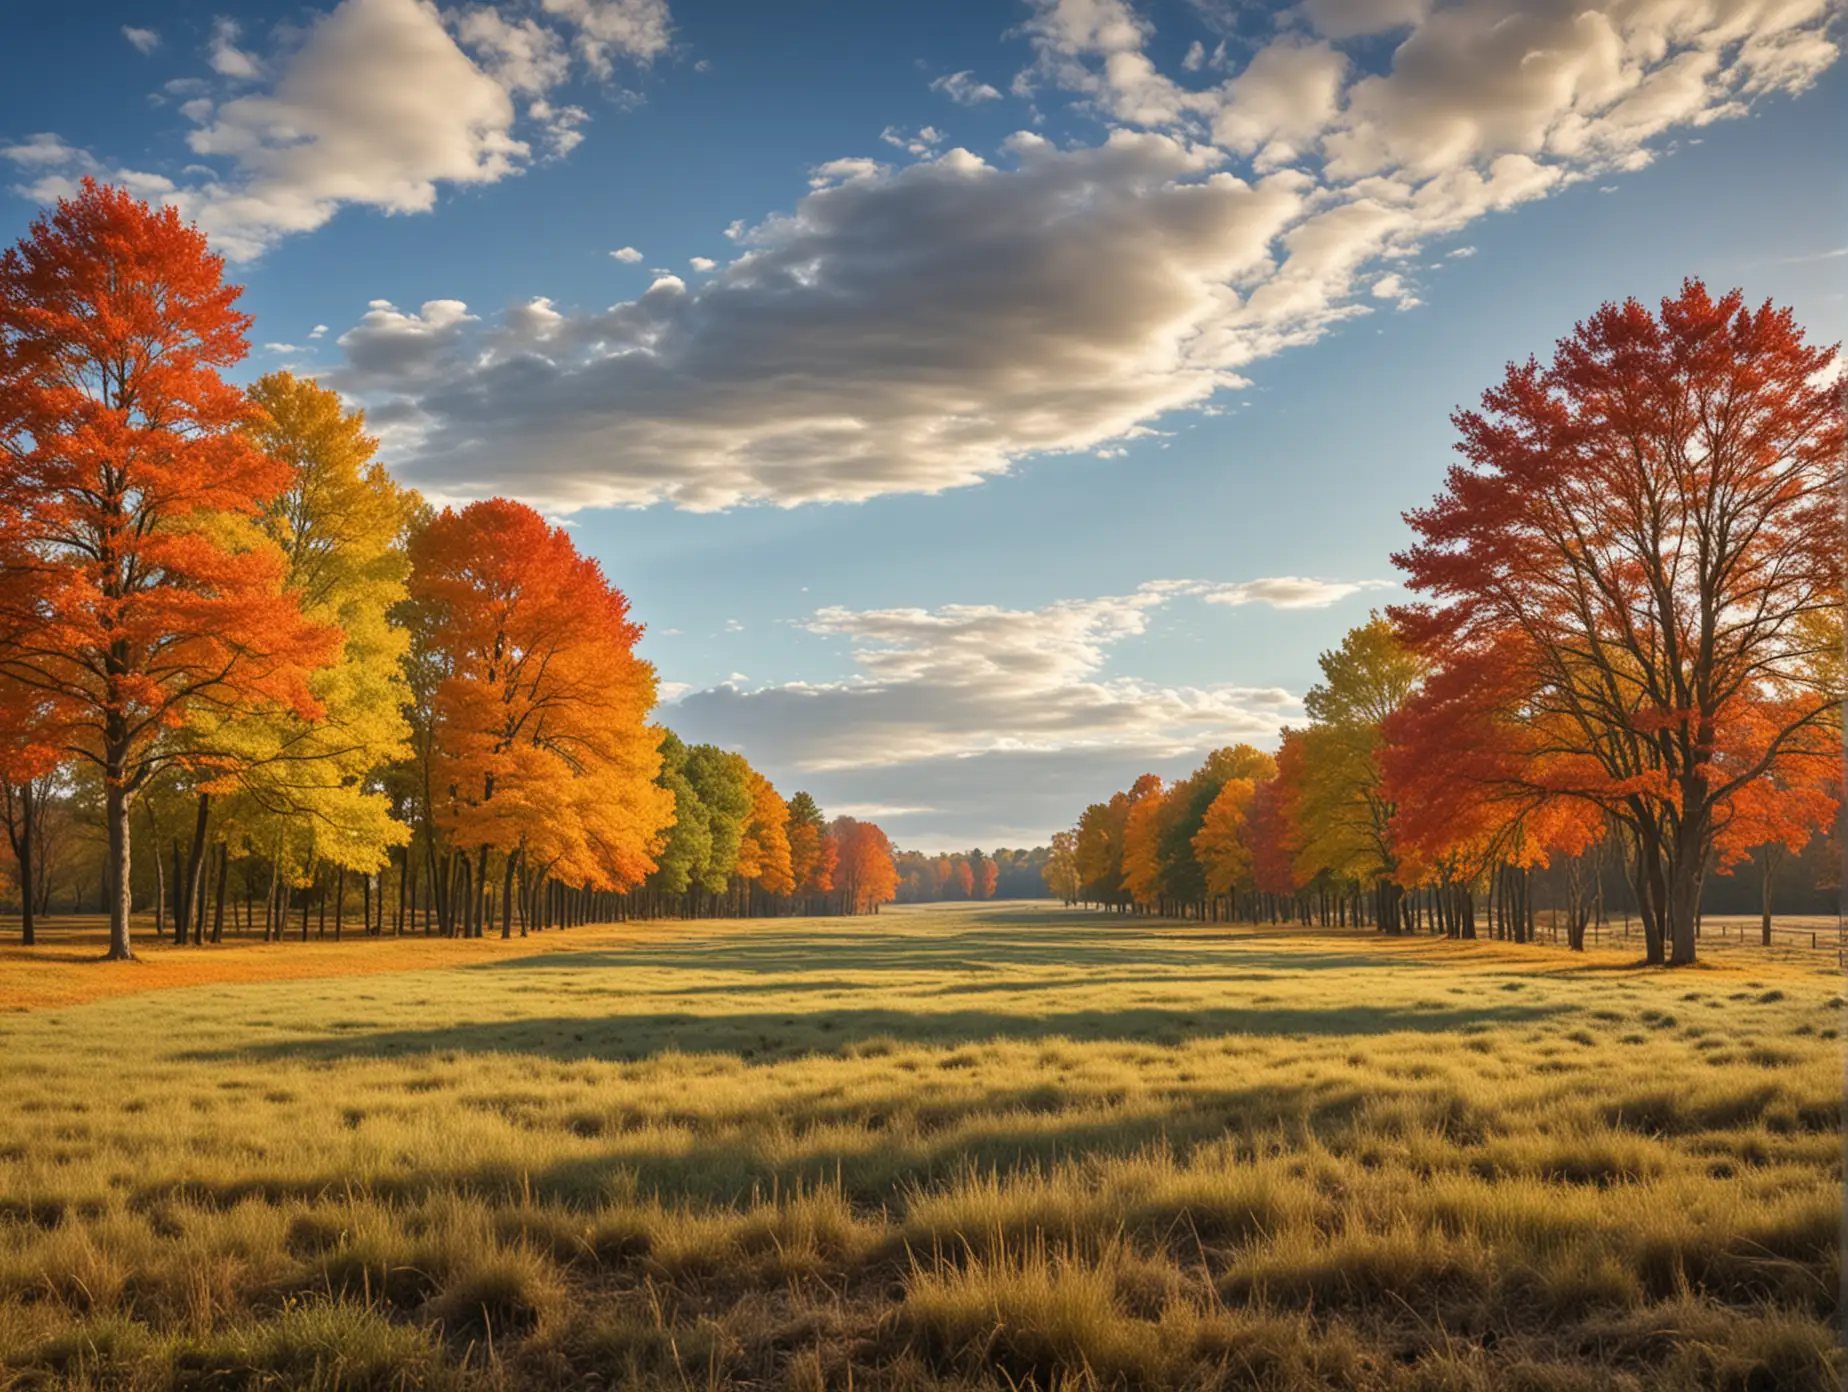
x=134, y=586
x=1629, y=558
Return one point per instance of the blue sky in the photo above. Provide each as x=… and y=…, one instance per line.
x=1051, y=376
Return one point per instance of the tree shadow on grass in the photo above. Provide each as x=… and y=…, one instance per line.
x=906, y=1145
x=798, y=954
x=763, y=1037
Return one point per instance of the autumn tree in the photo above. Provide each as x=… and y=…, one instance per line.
x=1100, y=841
x=341, y=524
x=1344, y=815
x=813, y=853
x=138, y=587
x=1222, y=841
x=763, y=852
x=1061, y=869
x=1631, y=553
x=543, y=753
x=866, y=876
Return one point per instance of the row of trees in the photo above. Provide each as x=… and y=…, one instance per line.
x=955, y=876
x=222, y=620
x=1627, y=648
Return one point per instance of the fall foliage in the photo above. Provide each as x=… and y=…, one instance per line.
x=1628, y=653
x=138, y=588
x=222, y=620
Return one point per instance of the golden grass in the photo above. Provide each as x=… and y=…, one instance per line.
x=982, y=1148
x=64, y=968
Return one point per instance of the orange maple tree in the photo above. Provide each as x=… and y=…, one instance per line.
x=135, y=585
x=543, y=752
x=866, y=876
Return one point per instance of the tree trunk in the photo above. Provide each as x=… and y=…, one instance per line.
x=1767, y=867
x=195, y=901
x=22, y=851
x=218, y=906
x=506, y=905
x=116, y=803
x=1651, y=898
x=339, y=902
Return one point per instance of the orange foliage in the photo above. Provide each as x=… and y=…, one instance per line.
x=542, y=749
x=134, y=585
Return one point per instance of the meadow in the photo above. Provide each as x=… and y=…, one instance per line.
x=1000, y=1146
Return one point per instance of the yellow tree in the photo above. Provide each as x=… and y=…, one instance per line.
x=1344, y=816
x=340, y=524
x=1061, y=869
x=763, y=851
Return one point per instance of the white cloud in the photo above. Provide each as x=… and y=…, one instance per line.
x=964, y=88
x=1288, y=591
x=376, y=104
x=639, y=30
x=973, y=679
x=993, y=315
x=1196, y=57
x=702, y=264
x=317, y=331
x=43, y=151
x=839, y=170
x=923, y=327
x=523, y=54
x=1462, y=252
x=1393, y=287
x=922, y=144
x=628, y=255
x=145, y=40
x=226, y=58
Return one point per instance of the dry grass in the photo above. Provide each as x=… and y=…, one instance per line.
x=950, y=1148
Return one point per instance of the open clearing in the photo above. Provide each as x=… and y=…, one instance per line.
x=990, y=1146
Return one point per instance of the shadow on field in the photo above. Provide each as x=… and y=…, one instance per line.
x=774, y=1037
x=907, y=1143
x=974, y=950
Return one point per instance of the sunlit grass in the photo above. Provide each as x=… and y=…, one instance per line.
x=948, y=1148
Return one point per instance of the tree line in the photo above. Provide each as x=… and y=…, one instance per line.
x=1625, y=649
x=230, y=637
x=971, y=876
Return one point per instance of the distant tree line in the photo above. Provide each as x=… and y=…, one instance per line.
x=971, y=876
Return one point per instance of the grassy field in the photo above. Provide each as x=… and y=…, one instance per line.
x=973, y=1148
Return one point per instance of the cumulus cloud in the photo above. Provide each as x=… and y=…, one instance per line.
x=702, y=264
x=144, y=40
x=377, y=103
x=964, y=88
x=628, y=255
x=903, y=330
x=963, y=680
x=922, y=325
